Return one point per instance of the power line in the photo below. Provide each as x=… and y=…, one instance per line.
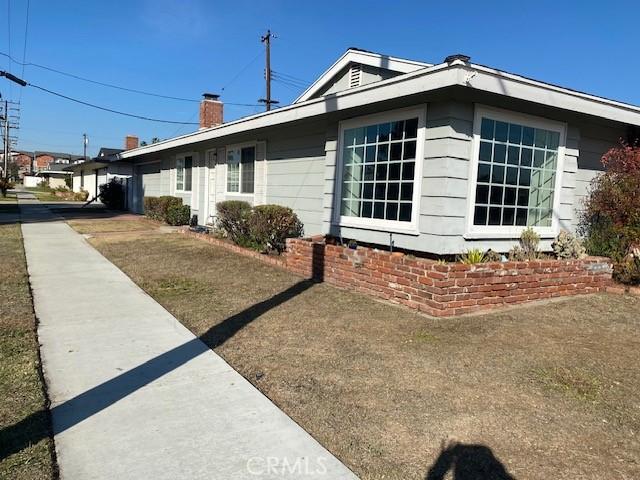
x=296, y=79
x=82, y=102
x=242, y=70
x=290, y=84
x=118, y=87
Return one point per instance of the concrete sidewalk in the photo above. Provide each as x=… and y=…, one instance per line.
x=136, y=395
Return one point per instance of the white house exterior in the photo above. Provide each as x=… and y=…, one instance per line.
x=438, y=158
x=91, y=174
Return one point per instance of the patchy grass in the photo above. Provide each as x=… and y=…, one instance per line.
x=571, y=381
x=10, y=198
x=545, y=391
x=21, y=391
x=113, y=225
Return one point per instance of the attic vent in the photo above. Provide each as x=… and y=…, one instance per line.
x=355, y=74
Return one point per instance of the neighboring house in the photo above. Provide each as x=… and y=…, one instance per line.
x=89, y=175
x=55, y=175
x=41, y=160
x=23, y=162
x=438, y=158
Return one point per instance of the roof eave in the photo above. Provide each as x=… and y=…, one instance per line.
x=428, y=79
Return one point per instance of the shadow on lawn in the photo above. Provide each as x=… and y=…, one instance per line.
x=467, y=462
x=65, y=415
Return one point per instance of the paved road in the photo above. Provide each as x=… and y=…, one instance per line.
x=134, y=394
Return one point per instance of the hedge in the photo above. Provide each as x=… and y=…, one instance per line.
x=167, y=209
x=264, y=227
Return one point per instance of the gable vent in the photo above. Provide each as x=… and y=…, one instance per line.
x=355, y=75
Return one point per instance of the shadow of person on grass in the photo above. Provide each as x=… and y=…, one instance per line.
x=467, y=462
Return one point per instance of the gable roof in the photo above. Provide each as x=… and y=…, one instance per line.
x=454, y=73
x=363, y=57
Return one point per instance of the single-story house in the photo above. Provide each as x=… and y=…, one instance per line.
x=439, y=158
x=55, y=175
x=91, y=174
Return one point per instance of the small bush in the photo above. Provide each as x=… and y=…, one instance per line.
x=528, y=248
x=178, y=214
x=156, y=208
x=471, y=257
x=81, y=196
x=271, y=225
x=112, y=194
x=5, y=184
x=61, y=189
x=233, y=220
x=44, y=185
x=567, y=246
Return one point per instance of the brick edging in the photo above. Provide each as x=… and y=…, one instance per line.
x=431, y=287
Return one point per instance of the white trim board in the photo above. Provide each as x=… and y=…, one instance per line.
x=377, y=60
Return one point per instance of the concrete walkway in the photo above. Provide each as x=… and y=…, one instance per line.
x=136, y=395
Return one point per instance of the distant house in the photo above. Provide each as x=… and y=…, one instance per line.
x=100, y=169
x=55, y=175
x=438, y=158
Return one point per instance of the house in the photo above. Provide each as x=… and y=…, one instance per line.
x=437, y=158
x=93, y=173
x=55, y=175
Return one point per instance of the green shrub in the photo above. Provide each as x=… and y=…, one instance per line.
x=151, y=209
x=112, y=195
x=156, y=208
x=178, y=214
x=5, y=184
x=271, y=225
x=44, y=185
x=61, y=189
x=233, y=220
x=567, y=246
x=610, y=220
x=471, y=257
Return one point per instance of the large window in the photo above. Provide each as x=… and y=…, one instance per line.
x=241, y=169
x=516, y=169
x=379, y=169
x=183, y=173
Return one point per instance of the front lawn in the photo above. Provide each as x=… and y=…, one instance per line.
x=544, y=391
x=25, y=445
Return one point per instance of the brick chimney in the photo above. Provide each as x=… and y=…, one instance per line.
x=131, y=142
x=210, y=111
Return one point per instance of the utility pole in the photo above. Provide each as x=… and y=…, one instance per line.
x=85, y=140
x=5, y=171
x=266, y=39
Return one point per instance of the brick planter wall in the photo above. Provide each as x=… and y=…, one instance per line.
x=445, y=289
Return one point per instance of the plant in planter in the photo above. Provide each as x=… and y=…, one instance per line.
x=567, y=246
x=471, y=257
x=528, y=248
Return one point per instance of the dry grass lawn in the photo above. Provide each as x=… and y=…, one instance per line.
x=117, y=224
x=21, y=390
x=548, y=391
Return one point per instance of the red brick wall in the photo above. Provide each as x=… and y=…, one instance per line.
x=445, y=289
x=43, y=161
x=210, y=113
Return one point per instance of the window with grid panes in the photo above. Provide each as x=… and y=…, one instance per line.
x=516, y=174
x=379, y=163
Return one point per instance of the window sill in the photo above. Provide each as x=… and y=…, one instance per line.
x=514, y=234
x=409, y=229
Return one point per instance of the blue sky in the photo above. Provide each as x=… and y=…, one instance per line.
x=186, y=47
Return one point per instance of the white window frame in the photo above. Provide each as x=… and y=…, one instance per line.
x=411, y=227
x=512, y=232
x=239, y=193
x=182, y=157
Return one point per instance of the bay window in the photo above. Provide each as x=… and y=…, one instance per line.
x=516, y=169
x=241, y=169
x=379, y=160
